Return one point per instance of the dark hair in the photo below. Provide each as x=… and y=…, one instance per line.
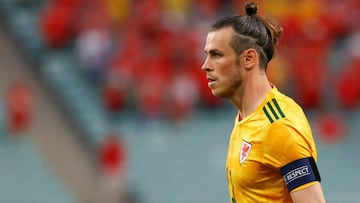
x=252, y=31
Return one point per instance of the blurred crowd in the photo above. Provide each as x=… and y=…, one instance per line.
x=147, y=54
x=150, y=51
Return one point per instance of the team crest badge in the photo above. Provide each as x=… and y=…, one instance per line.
x=244, y=151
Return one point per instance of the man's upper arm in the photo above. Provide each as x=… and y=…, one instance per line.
x=312, y=194
x=291, y=153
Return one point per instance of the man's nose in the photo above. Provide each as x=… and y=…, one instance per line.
x=205, y=66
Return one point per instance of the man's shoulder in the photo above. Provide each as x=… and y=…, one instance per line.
x=290, y=108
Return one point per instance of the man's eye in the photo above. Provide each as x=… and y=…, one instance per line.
x=215, y=55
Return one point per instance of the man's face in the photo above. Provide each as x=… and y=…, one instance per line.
x=222, y=65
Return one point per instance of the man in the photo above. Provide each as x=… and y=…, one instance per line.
x=272, y=155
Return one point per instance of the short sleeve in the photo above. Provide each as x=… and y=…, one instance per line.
x=284, y=144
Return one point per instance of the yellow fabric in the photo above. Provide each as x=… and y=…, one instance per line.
x=118, y=10
x=176, y=5
x=276, y=139
x=306, y=10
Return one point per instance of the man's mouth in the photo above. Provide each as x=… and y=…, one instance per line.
x=210, y=78
x=211, y=81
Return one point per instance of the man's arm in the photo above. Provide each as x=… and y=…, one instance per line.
x=312, y=194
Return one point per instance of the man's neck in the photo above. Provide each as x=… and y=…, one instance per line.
x=253, y=92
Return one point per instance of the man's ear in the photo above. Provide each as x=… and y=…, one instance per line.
x=250, y=58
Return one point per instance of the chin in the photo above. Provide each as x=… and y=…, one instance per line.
x=219, y=93
x=223, y=92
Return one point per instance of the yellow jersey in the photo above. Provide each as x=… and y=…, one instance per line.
x=263, y=149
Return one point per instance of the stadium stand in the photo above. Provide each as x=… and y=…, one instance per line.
x=120, y=65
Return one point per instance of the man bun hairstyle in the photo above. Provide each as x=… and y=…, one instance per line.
x=251, y=8
x=252, y=31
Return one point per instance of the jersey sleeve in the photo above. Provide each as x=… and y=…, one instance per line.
x=284, y=146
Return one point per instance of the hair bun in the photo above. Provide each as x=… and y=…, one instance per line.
x=251, y=8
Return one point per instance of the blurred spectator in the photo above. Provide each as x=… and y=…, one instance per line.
x=19, y=107
x=115, y=90
x=208, y=8
x=57, y=20
x=118, y=11
x=183, y=95
x=112, y=155
x=331, y=128
x=93, y=50
x=348, y=86
x=151, y=93
x=112, y=159
x=114, y=98
x=175, y=15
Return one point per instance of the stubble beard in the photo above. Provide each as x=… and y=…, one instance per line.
x=233, y=85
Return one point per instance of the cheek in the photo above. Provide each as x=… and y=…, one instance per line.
x=230, y=71
x=233, y=77
x=225, y=67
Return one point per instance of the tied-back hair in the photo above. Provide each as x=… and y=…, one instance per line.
x=252, y=31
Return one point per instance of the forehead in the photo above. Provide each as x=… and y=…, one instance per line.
x=218, y=39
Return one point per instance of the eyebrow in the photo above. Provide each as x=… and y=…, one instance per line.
x=211, y=51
